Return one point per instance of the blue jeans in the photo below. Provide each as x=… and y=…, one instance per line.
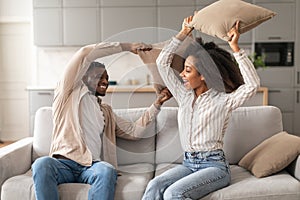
x=49, y=172
x=200, y=174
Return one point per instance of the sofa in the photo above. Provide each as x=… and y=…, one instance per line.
x=139, y=161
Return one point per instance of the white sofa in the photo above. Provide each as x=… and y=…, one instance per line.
x=141, y=160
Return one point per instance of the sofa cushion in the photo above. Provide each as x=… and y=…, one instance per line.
x=245, y=186
x=218, y=18
x=272, y=155
x=130, y=185
x=140, y=151
x=43, y=126
x=168, y=149
x=128, y=152
x=248, y=127
x=133, y=181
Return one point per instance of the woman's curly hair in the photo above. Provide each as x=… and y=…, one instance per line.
x=225, y=63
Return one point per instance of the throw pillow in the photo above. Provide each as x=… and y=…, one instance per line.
x=218, y=18
x=272, y=155
x=149, y=58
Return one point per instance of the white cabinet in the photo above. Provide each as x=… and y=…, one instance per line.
x=274, y=77
x=279, y=28
x=283, y=98
x=48, y=30
x=171, y=17
x=126, y=3
x=38, y=98
x=280, y=81
x=66, y=23
x=81, y=26
x=120, y=21
x=80, y=3
x=297, y=46
x=47, y=3
x=296, y=118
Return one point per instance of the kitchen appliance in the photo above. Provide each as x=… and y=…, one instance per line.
x=279, y=54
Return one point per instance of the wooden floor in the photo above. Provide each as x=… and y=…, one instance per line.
x=3, y=144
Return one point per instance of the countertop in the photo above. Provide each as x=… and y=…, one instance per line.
x=140, y=89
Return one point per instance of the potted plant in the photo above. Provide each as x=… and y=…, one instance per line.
x=258, y=61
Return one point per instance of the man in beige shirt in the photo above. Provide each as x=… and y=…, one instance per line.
x=84, y=136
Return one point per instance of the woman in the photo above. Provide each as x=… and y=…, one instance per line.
x=211, y=88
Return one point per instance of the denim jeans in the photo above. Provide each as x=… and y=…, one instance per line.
x=49, y=172
x=200, y=174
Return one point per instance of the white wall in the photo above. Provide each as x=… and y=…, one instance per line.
x=15, y=10
x=16, y=60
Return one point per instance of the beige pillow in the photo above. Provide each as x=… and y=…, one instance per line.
x=272, y=155
x=218, y=18
x=149, y=58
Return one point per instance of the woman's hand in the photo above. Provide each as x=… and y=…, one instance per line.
x=234, y=36
x=186, y=29
x=135, y=47
x=162, y=97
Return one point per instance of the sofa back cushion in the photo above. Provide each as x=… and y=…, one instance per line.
x=43, y=126
x=248, y=126
x=128, y=152
x=168, y=148
x=139, y=151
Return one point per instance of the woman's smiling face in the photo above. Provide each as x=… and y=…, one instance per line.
x=192, y=79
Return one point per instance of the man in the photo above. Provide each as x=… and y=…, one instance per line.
x=84, y=136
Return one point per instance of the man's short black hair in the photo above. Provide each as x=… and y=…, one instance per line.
x=94, y=65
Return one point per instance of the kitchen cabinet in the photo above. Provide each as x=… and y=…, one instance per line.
x=274, y=77
x=280, y=82
x=47, y=3
x=296, y=119
x=38, y=98
x=81, y=26
x=66, y=23
x=176, y=3
x=48, y=30
x=171, y=17
x=283, y=98
x=126, y=3
x=279, y=28
x=120, y=21
x=297, y=46
x=80, y=3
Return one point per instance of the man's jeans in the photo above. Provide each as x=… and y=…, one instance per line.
x=49, y=172
x=200, y=174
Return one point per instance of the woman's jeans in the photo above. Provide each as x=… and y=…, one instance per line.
x=49, y=172
x=200, y=174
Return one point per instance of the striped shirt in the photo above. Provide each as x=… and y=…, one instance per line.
x=202, y=126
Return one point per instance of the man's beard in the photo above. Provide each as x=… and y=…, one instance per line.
x=98, y=94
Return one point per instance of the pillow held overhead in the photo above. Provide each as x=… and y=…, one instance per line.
x=218, y=18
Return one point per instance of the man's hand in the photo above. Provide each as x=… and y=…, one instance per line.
x=162, y=97
x=135, y=47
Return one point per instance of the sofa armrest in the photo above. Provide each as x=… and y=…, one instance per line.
x=294, y=168
x=15, y=158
